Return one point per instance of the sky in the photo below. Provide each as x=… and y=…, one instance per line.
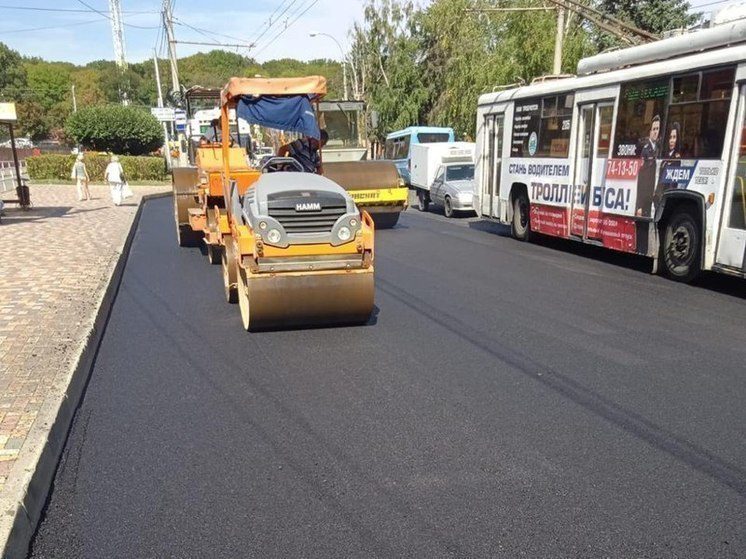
x=81, y=37
x=279, y=28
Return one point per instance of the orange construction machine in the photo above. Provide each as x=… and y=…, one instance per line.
x=294, y=247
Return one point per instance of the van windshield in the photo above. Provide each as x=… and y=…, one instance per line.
x=460, y=172
x=433, y=137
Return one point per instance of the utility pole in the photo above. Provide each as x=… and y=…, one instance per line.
x=168, y=23
x=117, y=33
x=75, y=102
x=559, y=40
x=166, y=151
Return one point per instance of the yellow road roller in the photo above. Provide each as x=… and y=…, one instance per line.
x=374, y=185
x=297, y=249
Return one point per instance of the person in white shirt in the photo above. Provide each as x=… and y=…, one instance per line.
x=114, y=175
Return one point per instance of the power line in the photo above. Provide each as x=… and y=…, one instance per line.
x=268, y=23
x=70, y=10
x=107, y=16
x=65, y=26
x=272, y=23
x=300, y=15
x=709, y=4
x=206, y=32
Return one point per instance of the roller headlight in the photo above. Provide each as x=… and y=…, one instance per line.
x=344, y=233
x=273, y=236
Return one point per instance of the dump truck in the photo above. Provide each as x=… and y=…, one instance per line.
x=374, y=185
x=295, y=249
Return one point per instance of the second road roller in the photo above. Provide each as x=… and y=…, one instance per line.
x=295, y=248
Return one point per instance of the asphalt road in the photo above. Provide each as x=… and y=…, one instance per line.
x=508, y=400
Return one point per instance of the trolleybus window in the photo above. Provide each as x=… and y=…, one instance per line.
x=641, y=109
x=541, y=127
x=698, y=115
x=554, y=130
x=738, y=202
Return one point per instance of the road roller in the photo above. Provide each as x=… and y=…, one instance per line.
x=374, y=185
x=199, y=199
x=297, y=251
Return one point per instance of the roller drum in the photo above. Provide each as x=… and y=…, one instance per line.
x=363, y=175
x=317, y=299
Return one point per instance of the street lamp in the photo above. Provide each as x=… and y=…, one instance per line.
x=344, y=59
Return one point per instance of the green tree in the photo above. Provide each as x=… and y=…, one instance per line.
x=386, y=55
x=12, y=75
x=88, y=91
x=655, y=16
x=115, y=128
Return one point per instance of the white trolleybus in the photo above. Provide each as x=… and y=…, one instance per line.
x=643, y=152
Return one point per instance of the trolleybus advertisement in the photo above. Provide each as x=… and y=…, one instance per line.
x=613, y=209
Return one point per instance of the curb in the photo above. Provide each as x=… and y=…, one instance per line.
x=33, y=472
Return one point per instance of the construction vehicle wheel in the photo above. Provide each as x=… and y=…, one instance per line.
x=229, y=272
x=387, y=220
x=287, y=301
x=214, y=254
x=187, y=237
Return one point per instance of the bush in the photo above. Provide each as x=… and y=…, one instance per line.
x=59, y=167
x=115, y=128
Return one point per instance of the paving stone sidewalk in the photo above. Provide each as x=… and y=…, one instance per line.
x=55, y=263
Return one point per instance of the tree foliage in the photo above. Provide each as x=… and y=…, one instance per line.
x=43, y=90
x=115, y=128
x=428, y=65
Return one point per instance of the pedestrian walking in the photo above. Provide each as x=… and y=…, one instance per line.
x=80, y=175
x=114, y=175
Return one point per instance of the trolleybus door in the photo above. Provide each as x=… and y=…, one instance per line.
x=593, y=145
x=491, y=165
x=732, y=244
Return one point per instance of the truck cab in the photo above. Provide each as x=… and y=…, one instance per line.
x=443, y=174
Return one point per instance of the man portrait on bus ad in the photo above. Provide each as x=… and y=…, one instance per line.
x=650, y=150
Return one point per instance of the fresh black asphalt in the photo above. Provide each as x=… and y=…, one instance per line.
x=508, y=400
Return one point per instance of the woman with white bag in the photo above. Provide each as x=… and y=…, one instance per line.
x=114, y=175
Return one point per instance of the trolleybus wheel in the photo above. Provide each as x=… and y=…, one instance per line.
x=520, y=227
x=680, y=246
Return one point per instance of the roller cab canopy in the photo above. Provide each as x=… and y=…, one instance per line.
x=280, y=103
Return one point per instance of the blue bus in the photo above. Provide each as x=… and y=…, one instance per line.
x=398, y=145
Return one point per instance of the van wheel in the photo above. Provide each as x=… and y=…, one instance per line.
x=448, y=207
x=424, y=200
x=681, y=246
x=520, y=227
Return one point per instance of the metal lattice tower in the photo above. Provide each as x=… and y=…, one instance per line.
x=117, y=32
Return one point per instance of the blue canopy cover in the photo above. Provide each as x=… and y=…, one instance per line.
x=293, y=113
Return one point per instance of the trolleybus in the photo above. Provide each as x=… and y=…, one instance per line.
x=644, y=151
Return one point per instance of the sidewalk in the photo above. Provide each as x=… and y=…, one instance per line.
x=56, y=262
